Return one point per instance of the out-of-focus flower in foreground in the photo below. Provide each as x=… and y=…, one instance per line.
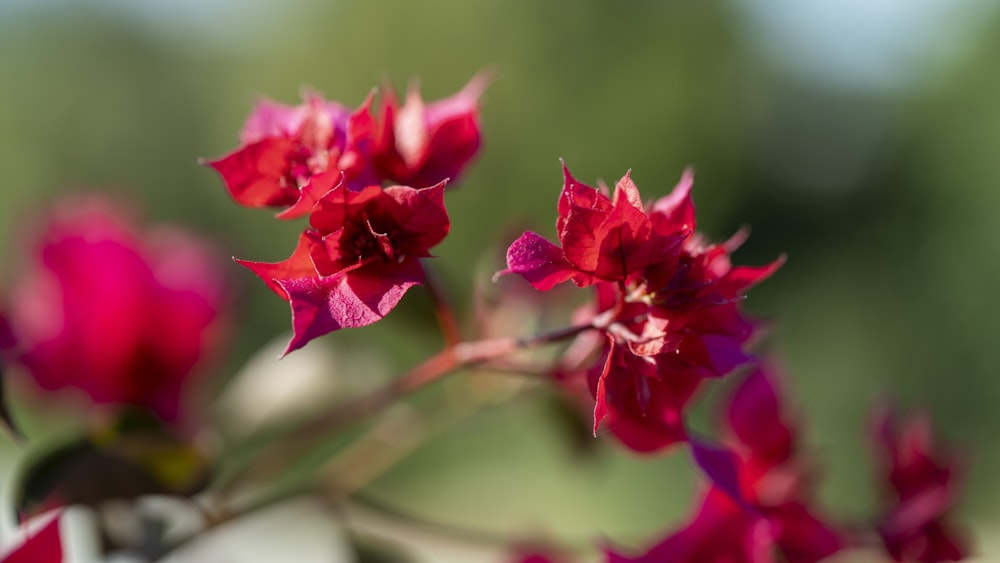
x=668, y=301
x=358, y=258
x=921, y=483
x=124, y=316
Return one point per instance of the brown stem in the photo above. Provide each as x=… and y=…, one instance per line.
x=443, y=310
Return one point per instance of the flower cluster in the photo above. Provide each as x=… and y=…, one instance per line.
x=128, y=317
x=415, y=144
x=362, y=250
x=667, y=301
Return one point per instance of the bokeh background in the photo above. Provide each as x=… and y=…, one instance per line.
x=860, y=137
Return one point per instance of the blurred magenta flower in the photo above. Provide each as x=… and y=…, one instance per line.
x=922, y=485
x=284, y=147
x=124, y=316
x=358, y=258
x=774, y=519
x=667, y=299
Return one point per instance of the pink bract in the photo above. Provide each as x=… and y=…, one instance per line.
x=358, y=258
x=125, y=317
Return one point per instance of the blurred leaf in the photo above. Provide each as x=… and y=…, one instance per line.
x=373, y=550
x=5, y=415
x=132, y=459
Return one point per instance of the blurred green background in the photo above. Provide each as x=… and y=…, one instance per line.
x=860, y=138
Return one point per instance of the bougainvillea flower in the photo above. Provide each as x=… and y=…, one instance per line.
x=420, y=144
x=773, y=520
x=283, y=147
x=602, y=239
x=667, y=300
x=921, y=483
x=43, y=546
x=127, y=318
x=358, y=258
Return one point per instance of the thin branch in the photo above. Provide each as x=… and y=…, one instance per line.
x=443, y=309
x=436, y=367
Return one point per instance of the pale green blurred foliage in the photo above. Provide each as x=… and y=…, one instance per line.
x=884, y=202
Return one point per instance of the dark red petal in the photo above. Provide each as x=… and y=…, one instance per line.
x=44, y=546
x=339, y=204
x=802, y=537
x=421, y=214
x=254, y=174
x=298, y=265
x=720, y=465
x=741, y=278
x=674, y=214
x=755, y=418
x=577, y=194
x=315, y=189
x=539, y=261
x=357, y=298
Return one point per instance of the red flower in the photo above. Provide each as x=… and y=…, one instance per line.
x=125, y=318
x=420, y=144
x=283, y=147
x=667, y=300
x=43, y=546
x=774, y=514
x=922, y=483
x=359, y=256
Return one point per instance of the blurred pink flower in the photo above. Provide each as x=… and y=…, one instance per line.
x=126, y=317
x=921, y=483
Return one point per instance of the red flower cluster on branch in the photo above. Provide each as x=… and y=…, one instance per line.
x=362, y=250
x=667, y=300
x=284, y=147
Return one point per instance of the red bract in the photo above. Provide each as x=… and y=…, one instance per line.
x=922, y=485
x=124, y=317
x=283, y=147
x=359, y=256
x=43, y=546
x=420, y=144
x=773, y=520
x=667, y=300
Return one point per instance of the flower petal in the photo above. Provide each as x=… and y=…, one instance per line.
x=358, y=298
